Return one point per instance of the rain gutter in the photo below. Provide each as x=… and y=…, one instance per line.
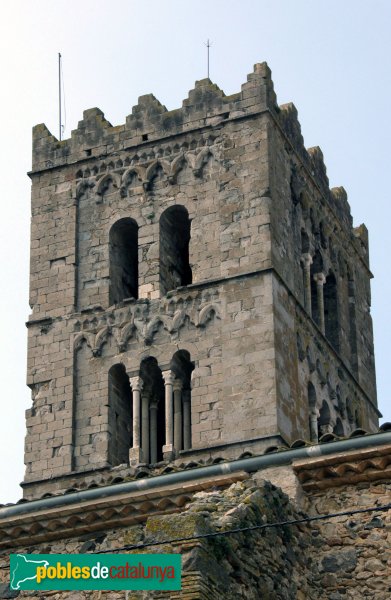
x=255, y=463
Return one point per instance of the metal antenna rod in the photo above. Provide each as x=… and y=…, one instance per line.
x=59, y=94
x=208, y=45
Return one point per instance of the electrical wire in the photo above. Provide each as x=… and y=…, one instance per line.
x=250, y=528
x=346, y=513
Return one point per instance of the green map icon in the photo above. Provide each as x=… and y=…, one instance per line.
x=24, y=569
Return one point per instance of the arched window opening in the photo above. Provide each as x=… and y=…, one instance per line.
x=324, y=425
x=349, y=410
x=312, y=221
x=316, y=267
x=305, y=242
x=123, y=256
x=175, y=269
x=357, y=418
x=120, y=416
x=153, y=424
x=182, y=368
x=331, y=310
x=322, y=235
x=314, y=300
x=338, y=429
x=340, y=403
x=313, y=424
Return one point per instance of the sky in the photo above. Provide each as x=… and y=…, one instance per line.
x=330, y=58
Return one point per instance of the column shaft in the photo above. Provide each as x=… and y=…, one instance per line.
x=153, y=431
x=306, y=260
x=313, y=426
x=135, y=455
x=168, y=448
x=145, y=427
x=177, y=414
x=320, y=280
x=136, y=384
x=186, y=420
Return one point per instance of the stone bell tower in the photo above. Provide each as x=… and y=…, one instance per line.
x=198, y=292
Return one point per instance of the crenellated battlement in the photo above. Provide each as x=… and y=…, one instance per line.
x=205, y=106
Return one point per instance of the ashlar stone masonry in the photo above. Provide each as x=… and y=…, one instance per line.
x=196, y=288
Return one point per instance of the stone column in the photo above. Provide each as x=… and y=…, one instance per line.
x=306, y=261
x=314, y=426
x=153, y=431
x=177, y=387
x=168, y=448
x=320, y=281
x=186, y=420
x=145, y=426
x=135, y=453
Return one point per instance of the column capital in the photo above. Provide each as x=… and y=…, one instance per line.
x=177, y=385
x=153, y=405
x=320, y=278
x=306, y=259
x=136, y=383
x=169, y=377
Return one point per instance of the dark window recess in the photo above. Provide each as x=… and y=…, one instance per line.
x=331, y=320
x=153, y=391
x=123, y=252
x=316, y=267
x=305, y=242
x=324, y=419
x=120, y=416
x=175, y=269
x=338, y=428
x=182, y=367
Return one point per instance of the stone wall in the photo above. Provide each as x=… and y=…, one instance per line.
x=271, y=564
x=334, y=559
x=321, y=244
x=304, y=359
x=353, y=552
x=75, y=336
x=227, y=330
